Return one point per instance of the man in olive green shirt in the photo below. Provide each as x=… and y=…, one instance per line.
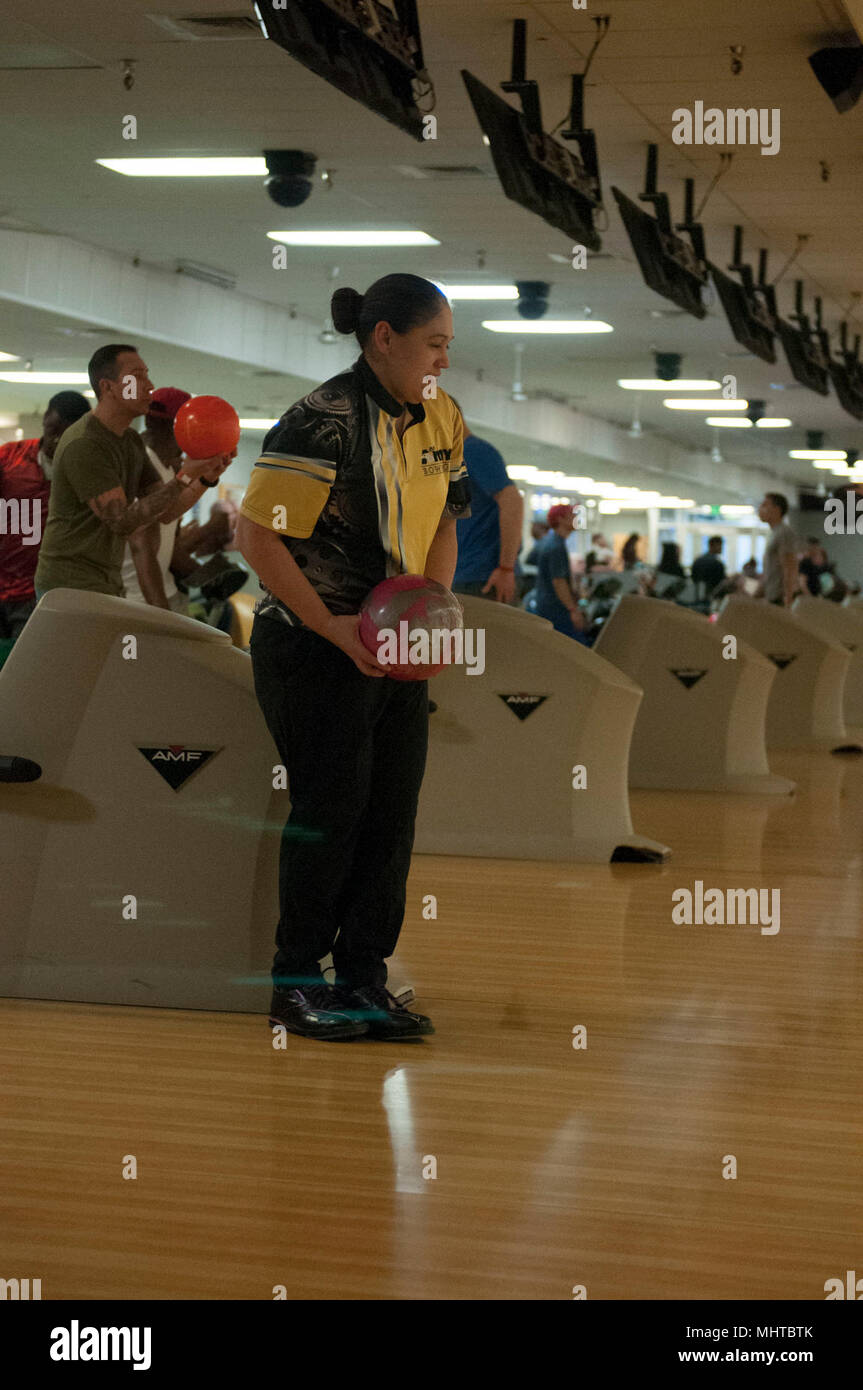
x=105, y=489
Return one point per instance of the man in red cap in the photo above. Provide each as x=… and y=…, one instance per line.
x=555, y=599
x=146, y=572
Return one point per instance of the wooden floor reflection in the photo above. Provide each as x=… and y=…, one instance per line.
x=555, y=1167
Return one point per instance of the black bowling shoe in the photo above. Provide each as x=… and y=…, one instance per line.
x=385, y=1018
x=316, y=1011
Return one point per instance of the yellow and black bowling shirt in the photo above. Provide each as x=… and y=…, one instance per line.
x=353, y=503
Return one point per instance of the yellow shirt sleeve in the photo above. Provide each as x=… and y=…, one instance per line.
x=288, y=490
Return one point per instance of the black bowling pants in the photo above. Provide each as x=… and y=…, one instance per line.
x=355, y=749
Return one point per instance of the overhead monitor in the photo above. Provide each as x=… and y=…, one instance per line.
x=673, y=267
x=745, y=303
x=370, y=50
x=804, y=352
x=846, y=371
x=558, y=183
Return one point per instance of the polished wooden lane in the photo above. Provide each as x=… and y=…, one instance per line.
x=555, y=1167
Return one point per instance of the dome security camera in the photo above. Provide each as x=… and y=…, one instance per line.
x=290, y=174
x=532, y=298
x=668, y=365
x=755, y=411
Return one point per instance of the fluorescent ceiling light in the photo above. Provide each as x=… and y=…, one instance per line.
x=348, y=238
x=817, y=454
x=547, y=326
x=8, y=422
x=616, y=495
x=734, y=510
x=654, y=384
x=189, y=167
x=477, y=291
x=544, y=477
x=256, y=423
x=47, y=378
x=706, y=405
x=609, y=508
x=824, y=463
x=9, y=357
x=91, y=395
x=768, y=423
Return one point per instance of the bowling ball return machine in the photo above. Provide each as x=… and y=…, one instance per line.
x=140, y=825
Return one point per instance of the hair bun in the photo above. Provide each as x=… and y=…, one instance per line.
x=345, y=307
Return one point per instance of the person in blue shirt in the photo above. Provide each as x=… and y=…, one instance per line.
x=554, y=598
x=489, y=540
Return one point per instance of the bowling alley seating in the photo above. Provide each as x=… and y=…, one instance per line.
x=503, y=745
x=701, y=723
x=805, y=705
x=843, y=625
x=676, y=589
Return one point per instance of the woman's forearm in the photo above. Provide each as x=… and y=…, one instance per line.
x=443, y=554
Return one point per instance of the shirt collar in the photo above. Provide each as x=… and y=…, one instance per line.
x=381, y=396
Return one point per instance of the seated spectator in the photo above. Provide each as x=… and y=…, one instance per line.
x=629, y=555
x=746, y=582
x=813, y=565
x=708, y=571
x=631, y=563
x=604, y=555
x=669, y=562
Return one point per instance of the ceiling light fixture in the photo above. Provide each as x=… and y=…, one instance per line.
x=547, y=326
x=817, y=454
x=477, y=291
x=657, y=384
x=706, y=405
x=354, y=238
x=48, y=378
x=189, y=167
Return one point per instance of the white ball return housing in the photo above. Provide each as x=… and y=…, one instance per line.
x=701, y=722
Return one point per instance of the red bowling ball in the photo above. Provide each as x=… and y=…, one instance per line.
x=408, y=606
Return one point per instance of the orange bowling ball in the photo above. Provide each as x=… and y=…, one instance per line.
x=206, y=426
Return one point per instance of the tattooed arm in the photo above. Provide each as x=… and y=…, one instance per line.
x=161, y=502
